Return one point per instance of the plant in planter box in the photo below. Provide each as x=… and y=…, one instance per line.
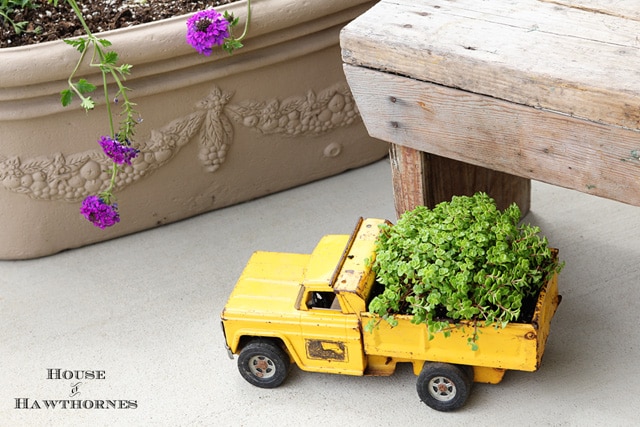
x=463, y=260
x=205, y=30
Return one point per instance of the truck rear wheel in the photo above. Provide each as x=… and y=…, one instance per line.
x=444, y=387
x=263, y=364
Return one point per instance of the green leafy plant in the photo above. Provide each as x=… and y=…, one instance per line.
x=8, y=7
x=462, y=260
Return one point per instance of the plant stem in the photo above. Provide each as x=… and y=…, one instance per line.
x=246, y=23
x=112, y=131
x=78, y=13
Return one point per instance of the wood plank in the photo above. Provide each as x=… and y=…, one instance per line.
x=499, y=135
x=543, y=54
x=621, y=8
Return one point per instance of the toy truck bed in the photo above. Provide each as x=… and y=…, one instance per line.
x=518, y=346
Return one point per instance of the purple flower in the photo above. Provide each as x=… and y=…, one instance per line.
x=206, y=29
x=99, y=213
x=117, y=151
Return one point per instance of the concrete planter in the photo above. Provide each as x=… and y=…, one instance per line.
x=216, y=131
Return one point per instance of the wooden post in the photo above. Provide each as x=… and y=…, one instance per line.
x=407, y=173
x=426, y=179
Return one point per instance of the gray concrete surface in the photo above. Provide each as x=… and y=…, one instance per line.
x=145, y=310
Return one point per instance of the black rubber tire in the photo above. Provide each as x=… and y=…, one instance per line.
x=444, y=387
x=264, y=364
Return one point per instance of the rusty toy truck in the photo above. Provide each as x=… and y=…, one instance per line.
x=311, y=309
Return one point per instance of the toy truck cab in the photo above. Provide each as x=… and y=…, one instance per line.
x=306, y=305
x=310, y=310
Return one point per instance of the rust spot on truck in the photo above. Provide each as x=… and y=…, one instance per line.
x=327, y=350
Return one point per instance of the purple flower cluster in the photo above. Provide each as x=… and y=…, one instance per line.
x=101, y=214
x=206, y=29
x=117, y=151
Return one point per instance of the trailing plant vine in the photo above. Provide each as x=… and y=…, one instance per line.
x=205, y=30
x=462, y=260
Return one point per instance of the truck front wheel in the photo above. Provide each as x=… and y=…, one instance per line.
x=444, y=387
x=263, y=364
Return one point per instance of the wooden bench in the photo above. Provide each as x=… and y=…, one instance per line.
x=486, y=95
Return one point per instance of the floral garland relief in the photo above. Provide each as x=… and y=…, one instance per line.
x=74, y=177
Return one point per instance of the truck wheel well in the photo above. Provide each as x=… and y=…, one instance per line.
x=246, y=339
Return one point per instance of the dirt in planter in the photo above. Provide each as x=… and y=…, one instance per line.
x=47, y=22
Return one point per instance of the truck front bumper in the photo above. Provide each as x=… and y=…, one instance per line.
x=224, y=334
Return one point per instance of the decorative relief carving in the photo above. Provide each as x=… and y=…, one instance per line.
x=73, y=177
x=312, y=114
x=216, y=133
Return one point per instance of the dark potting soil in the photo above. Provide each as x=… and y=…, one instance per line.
x=46, y=22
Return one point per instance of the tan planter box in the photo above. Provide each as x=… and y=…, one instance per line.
x=216, y=130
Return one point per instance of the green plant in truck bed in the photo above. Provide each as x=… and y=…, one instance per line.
x=462, y=260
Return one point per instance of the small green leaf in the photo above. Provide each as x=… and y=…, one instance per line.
x=80, y=44
x=104, y=42
x=84, y=86
x=110, y=58
x=371, y=324
x=233, y=21
x=231, y=45
x=87, y=103
x=65, y=97
x=125, y=69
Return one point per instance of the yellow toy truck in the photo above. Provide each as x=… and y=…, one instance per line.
x=311, y=309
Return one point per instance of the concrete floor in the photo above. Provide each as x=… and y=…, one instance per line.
x=145, y=310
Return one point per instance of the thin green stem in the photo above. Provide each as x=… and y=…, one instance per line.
x=106, y=194
x=83, y=53
x=78, y=13
x=112, y=131
x=246, y=22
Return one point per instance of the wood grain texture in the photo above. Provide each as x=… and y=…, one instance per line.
x=407, y=173
x=421, y=178
x=446, y=178
x=621, y=8
x=581, y=58
x=499, y=135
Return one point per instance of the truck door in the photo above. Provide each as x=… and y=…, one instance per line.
x=332, y=338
